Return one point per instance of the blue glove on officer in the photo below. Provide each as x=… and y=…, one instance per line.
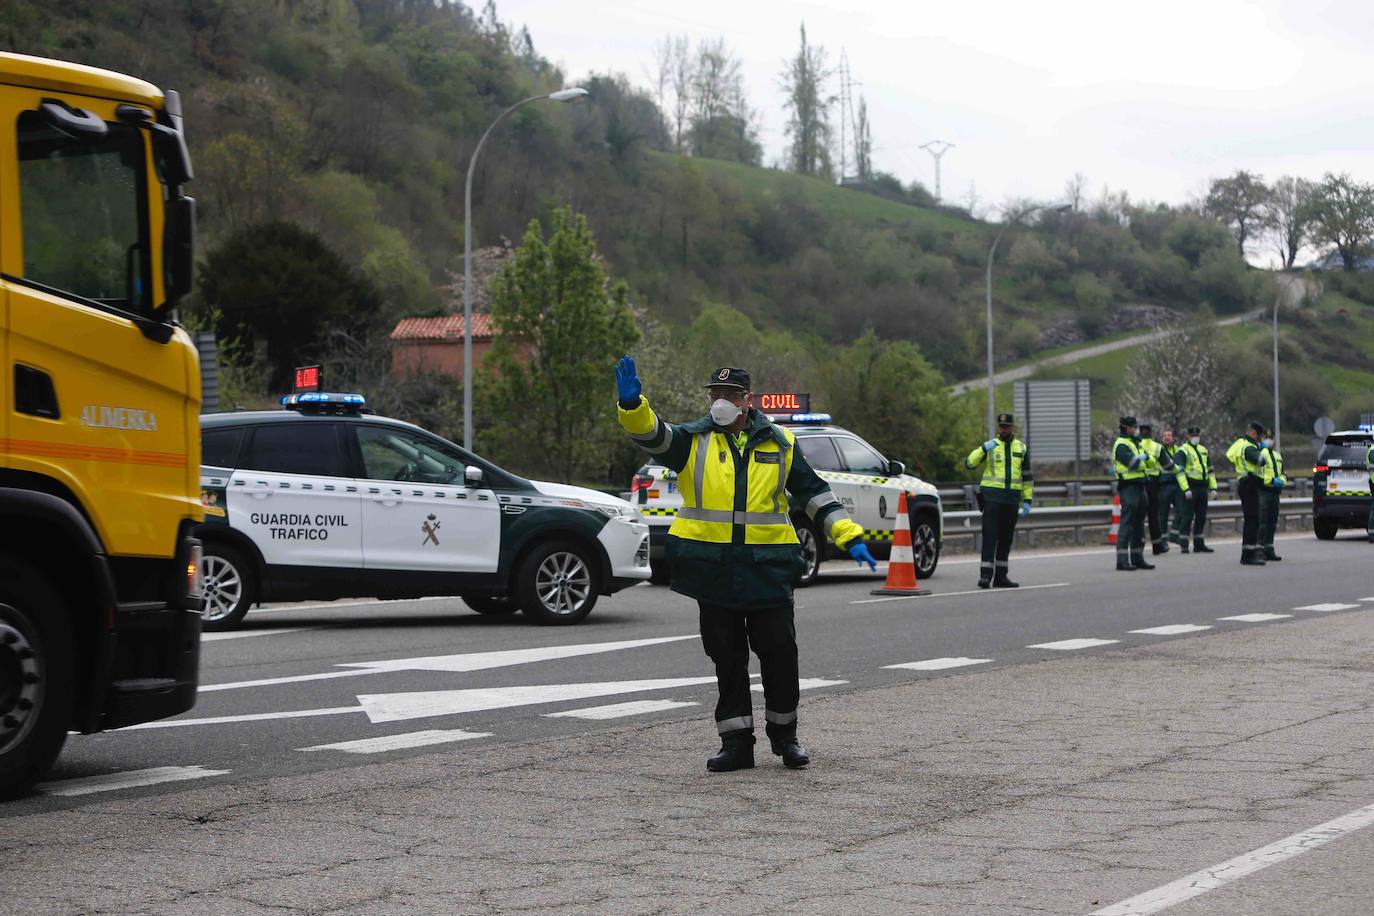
x=627, y=385
x=1025, y=508
x=989, y=445
x=861, y=556
x=1281, y=481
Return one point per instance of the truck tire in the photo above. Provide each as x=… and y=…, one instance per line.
x=1324, y=528
x=37, y=673
x=925, y=544
x=556, y=584
x=812, y=547
x=491, y=604
x=231, y=587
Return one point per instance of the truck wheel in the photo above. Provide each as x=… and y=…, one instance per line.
x=1325, y=529
x=925, y=544
x=36, y=676
x=813, y=548
x=491, y=604
x=556, y=584
x=231, y=587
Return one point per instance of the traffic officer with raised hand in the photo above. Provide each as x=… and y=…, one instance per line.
x=733, y=548
x=1128, y=458
x=1246, y=456
x=1272, y=482
x=1006, y=490
x=1202, y=487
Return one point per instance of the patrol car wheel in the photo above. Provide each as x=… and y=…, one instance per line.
x=1324, y=528
x=491, y=604
x=36, y=677
x=811, y=551
x=556, y=584
x=925, y=546
x=230, y=587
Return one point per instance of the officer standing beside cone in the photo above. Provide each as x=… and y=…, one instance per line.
x=732, y=547
x=1202, y=487
x=1128, y=458
x=1005, y=491
x=1272, y=482
x=1245, y=455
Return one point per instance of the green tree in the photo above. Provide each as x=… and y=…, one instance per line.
x=808, y=126
x=559, y=328
x=1242, y=203
x=1343, y=215
x=1290, y=216
x=278, y=287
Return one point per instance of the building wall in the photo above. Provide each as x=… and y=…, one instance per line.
x=443, y=356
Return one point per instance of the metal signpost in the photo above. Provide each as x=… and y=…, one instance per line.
x=1055, y=419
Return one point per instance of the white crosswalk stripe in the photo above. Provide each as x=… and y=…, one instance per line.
x=131, y=779
x=1173, y=629
x=940, y=664
x=1073, y=645
x=619, y=710
x=399, y=742
x=1326, y=607
x=1256, y=618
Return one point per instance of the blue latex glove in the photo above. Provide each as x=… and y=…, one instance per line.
x=627, y=385
x=1025, y=508
x=861, y=556
x=1281, y=481
x=989, y=445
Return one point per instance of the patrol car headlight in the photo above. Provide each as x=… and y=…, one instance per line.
x=617, y=511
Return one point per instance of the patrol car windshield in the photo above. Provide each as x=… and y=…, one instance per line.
x=398, y=454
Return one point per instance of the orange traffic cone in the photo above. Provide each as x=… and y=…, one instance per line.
x=901, y=566
x=1116, y=519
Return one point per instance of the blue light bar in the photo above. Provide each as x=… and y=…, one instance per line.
x=809, y=418
x=322, y=397
x=1367, y=427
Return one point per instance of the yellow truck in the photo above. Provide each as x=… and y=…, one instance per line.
x=99, y=437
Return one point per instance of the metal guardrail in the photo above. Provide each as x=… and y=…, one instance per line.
x=1083, y=492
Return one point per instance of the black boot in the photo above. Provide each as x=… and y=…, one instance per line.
x=786, y=746
x=1138, y=561
x=1200, y=546
x=1175, y=539
x=1123, y=564
x=1270, y=555
x=985, y=582
x=1003, y=582
x=1159, y=547
x=1252, y=557
x=736, y=752
x=1182, y=546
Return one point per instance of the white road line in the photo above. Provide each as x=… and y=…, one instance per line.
x=1173, y=629
x=972, y=591
x=1256, y=618
x=618, y=710
x=1073, y=645
x=131, y=779
x=1208, y=879
x=1371, y=598
x=807, y=683
x=940, y=664
x=248, y=634
x=399, y=742
x=471, y=661
x=1326, y=607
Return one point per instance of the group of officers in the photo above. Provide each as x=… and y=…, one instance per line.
x=1163, y=485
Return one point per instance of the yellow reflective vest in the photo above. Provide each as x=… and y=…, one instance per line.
x=1007, y=474
x=1244, y=454
x=1129, y=469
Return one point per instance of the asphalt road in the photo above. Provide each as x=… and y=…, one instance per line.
x=346, y=701
x=307, y=676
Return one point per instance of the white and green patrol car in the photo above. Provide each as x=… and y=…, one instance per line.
x=867, y=484
x=325, y=500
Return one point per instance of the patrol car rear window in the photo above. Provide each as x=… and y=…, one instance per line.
x=1349, y=451
x=296, y=448
x=220, y=447
x=860, y=458
x=819, y=452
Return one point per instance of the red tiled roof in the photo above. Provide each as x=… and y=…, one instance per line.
x=444, y=327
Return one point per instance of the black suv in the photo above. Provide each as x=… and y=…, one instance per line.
x=1340, y=483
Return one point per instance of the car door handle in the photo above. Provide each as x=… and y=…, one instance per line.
x=261, y=489
x=389, y=500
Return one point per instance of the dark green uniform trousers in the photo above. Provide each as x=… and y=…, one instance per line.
x=1193, y=512
x=1169, y=498
x=1130, y=539
x=1268, y=515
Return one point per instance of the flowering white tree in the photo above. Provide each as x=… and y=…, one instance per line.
x=1178, y=380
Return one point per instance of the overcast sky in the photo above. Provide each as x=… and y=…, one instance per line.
x=1153, y=98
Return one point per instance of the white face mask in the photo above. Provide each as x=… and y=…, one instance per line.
x=1196, y=440
x=724, y=412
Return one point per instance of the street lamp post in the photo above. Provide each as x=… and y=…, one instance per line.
x=562, y=95
x=1278, y=295
x=992, y=252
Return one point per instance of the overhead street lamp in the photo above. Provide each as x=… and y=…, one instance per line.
x=562, y=95
x=992, y=252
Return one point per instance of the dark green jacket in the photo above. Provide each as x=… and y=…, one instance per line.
x=739, y=575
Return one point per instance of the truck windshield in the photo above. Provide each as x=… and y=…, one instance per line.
x=84, y=211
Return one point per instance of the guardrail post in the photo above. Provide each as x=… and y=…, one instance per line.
x=970, y=501
x=1075, y=492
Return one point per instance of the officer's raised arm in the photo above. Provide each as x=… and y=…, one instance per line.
x=659, y=440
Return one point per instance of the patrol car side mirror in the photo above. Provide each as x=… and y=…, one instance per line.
x=473, y=476
x=895, y=469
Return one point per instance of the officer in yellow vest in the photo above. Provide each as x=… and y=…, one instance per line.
x=1202, y=486
x=1272, y=482
x=1128, y=459
x=1157, y=465
x=733, y=548
x=1246, y=456
x=1006, y=488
